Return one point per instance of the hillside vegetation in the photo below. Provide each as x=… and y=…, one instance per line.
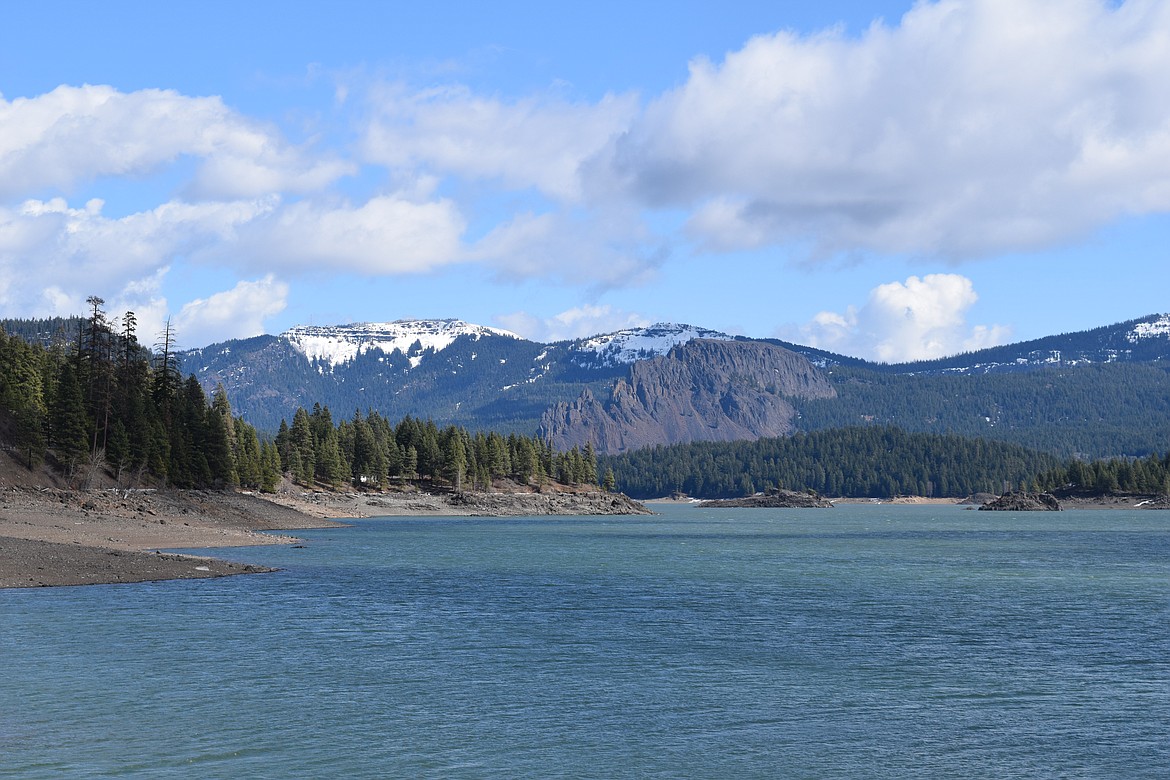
x=871, y=462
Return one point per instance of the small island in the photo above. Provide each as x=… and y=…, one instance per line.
x=772, y=499
x=1023, y=502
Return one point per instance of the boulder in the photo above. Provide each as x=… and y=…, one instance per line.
x=1023, y=502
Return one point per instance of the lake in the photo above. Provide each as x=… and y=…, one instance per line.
x=861, y=641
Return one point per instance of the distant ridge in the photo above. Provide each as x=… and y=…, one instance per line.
x=1101, y=392
x=335, y=345
x=632, y=344
x=1142, y=340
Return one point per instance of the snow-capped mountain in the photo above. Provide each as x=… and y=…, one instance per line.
x=1098, y=391
x=1156, y=327
x=1144, y=340
x=336, y=345
x=628, y=346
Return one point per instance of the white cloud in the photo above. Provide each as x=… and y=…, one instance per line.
x=236, y=313
x=578, y=322
x=968, y=128
x=55, y=255
x=918, y=319
x=74, y=134
x=601, y=249
x=538, y=142
x=386, y=235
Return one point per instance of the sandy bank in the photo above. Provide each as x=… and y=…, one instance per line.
x=52, y=536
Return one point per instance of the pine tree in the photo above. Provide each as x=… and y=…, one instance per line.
x=68, y=426
x=455, y=458
x=303, y=465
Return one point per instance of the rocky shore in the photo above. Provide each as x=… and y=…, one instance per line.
x=1023, y=502
x=505, y=503
x=773, y=499
x=54, y=536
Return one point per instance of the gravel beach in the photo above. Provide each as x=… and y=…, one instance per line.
x=55, y=536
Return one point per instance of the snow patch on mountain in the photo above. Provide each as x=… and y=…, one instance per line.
x=335, y=345
x=1149, y=330
x=633, y=344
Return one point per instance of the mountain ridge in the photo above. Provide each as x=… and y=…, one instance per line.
x=702, y=390
x=1102, y=392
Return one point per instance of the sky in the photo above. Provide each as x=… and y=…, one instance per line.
x=889, y=180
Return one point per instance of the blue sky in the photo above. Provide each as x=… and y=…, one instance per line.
x=885, y=179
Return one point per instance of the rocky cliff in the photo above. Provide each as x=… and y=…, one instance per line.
x=704, y=390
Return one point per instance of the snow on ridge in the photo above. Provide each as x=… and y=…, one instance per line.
x=339, y=344
x=632, y=344
x=1149, y=330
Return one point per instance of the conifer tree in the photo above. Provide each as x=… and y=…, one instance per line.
x=68, y=426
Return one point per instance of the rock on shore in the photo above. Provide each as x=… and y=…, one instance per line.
x=773, y=499
x=1024, y=502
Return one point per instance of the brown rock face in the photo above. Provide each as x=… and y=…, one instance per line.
x=704, y=390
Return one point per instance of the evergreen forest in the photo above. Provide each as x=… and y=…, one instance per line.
x=86, y=397
x=870, y=461
x=1085, y=411
x=368, y=451
x=92, y=399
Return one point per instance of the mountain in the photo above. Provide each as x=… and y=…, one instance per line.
x=633, y=344
x=1100, y=392
x=1144, y=340
x=448, y=370
x=342, y=344
x=702, y=390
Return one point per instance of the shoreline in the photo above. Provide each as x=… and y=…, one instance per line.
x=55, y=537
x=1067, y=502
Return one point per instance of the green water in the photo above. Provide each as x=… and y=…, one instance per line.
x=855, y=642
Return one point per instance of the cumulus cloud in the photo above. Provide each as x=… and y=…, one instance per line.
x=578, y=322
x=54, y=255
x=236, y=313
x=919, y=319
x=538, y=142
x=386, y=235
x=968, y=128
x=73, y=134
x=601, y=249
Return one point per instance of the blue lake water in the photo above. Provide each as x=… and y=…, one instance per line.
x=863, y=641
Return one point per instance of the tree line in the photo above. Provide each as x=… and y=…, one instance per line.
x=96, y=399
x=1148, y=476
x=368, y=451
x=870, y=462
x=1095, y=411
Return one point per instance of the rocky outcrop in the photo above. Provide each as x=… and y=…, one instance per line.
x=705, y=390
x=527, y=504
x=510, y=501
x=1024, y=502
x=773, y=499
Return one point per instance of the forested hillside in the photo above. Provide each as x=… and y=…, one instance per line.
x=1144, y=476
x=368, y=451
x=1094, y=410
x=1100, y=393
x=101, y=403
x=490, y=383
x=874, y=462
